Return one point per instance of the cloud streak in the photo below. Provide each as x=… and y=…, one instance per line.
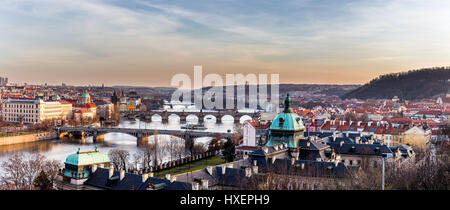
x=145, y=42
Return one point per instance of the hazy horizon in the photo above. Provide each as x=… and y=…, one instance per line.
x=146, y=42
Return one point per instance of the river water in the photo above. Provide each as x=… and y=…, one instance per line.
x=60, y=149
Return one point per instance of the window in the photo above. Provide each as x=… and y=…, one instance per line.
x=351, y=162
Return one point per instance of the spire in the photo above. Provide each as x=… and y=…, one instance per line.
x=287, y=104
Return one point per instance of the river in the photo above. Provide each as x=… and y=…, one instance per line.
x=60, y=149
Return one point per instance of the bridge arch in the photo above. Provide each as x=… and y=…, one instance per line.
x=166, y=139
x=156, y=117
x=192, y=118
x=209, y=118
x=227, y=118
x=244, y=118
x=120, y=138
x=174, y=118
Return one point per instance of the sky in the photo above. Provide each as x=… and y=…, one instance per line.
x=147, y=42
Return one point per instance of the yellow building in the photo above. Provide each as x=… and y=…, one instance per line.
x=418, y=137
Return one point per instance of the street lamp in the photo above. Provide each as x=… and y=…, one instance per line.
x=385, y=156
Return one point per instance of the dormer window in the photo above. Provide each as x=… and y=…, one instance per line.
x=281, y=122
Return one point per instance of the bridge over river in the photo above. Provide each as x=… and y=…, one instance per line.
x=141, y=134
x=200, y=115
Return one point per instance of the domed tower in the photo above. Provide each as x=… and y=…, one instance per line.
x=287, y=127
x=85, y=98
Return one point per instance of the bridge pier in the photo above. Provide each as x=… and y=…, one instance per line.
x=142, y=139
x=164, y=119
x=98, y=138
x=182, y=118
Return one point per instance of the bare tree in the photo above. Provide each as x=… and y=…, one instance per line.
x=137, y=159
x=14, y=170
x=119, y=158
x=31, y=167
x=21, y=170
x=51, y=168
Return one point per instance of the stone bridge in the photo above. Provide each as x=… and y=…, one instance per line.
x=141, y=134
x=200, y=115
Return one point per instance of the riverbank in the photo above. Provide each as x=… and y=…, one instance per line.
x=25, y=138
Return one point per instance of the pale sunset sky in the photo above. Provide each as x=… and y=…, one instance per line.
x=146, y=42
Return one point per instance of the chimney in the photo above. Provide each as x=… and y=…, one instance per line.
x=209, y=169
x=266, y=150
x=150, y=174
x=122, y=174
x=255, y=169
x=144, y=177
x=229, y=165
x=255, y=162
x=248, y=172
x=195, y=186
x=173, y=179
x=292, y=161
x=205, y=183
x=275, y=147
x=111, y=171
x=168, y=176
x=341, y=143
x=223, y=169
x=303, y=166
x=273, y=159
x=308, y=144
x=94, y=168
x=346, y=134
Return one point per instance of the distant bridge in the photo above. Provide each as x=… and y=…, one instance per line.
x=200, y=115
x=141, y=134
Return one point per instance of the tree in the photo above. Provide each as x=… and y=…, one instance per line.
x=229, y=150
x=21, y=170
x=42, y=181
x=51, y=169
x=119, y=158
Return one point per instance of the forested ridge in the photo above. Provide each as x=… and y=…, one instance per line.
x=410, y=85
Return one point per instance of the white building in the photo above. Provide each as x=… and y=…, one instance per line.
x=34, y=111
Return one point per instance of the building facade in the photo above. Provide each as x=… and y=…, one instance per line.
x=34, y=111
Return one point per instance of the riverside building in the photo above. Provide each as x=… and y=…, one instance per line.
x=34, y=111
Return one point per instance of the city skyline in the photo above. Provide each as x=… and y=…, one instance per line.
x=145, y=43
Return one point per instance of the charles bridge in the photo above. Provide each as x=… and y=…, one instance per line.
x=183, y=115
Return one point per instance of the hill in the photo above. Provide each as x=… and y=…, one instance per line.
x=411, y=85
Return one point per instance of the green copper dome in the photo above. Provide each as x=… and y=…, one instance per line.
x=287, y=127
x=85, y=95
x=87, y=158
x=287, y=120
